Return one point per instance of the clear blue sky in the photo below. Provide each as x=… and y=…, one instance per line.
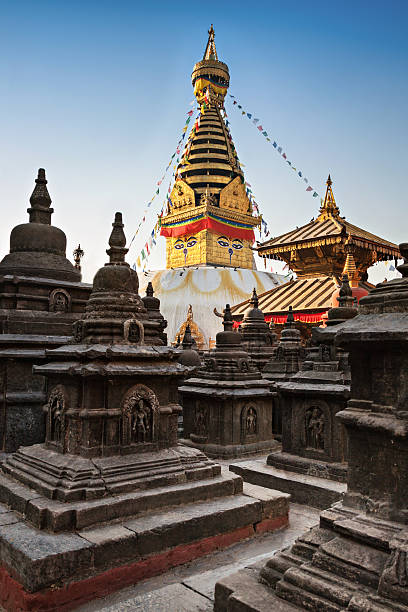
x=96, y=92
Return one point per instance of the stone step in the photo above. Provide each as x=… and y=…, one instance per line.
x=304, y=489
x=57, y=516
x=52, y=567
x=242, y=592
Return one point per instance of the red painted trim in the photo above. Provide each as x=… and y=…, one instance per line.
x=207, y=223
x=14, y=598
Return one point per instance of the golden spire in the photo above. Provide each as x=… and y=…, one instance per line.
x=350, y=266
x=329, y=207
x=210, y=50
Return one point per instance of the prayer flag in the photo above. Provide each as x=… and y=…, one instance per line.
x=231, y=96
x=260, y=128
x=268, y=139
x=143, y=254
x=392, y=268
x=300, y=174
x=279, y=149
x=284, y=155
x=305, y=179
x=247, y=184
x=264, y=133
x=243, y=113
x=190, y=113
x=234, y=102
x=138, y=262
x=239, y=106
x=188, y=120
x=147, y=248
x=309, y=188
x=157, y=191
x=249, y=115
x=315, y=194
x=255, y=121
x=274, y=144
x=185, y=129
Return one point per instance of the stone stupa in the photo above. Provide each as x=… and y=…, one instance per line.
x=110, y=497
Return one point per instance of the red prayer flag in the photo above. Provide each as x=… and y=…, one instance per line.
x=260, y=128
x=309, y=188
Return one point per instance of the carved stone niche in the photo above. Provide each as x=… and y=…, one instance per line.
x=200, y=423
x=59, y=301
x=56, y=408
x=249, y=424
x=140, y=419
x=311, y=430
x=133, y=331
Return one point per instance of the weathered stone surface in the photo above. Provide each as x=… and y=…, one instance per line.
x=274, y=503
x=37, y=559
x=238, y=418
x=303, y=488
x=172, y=597
x=41, y=296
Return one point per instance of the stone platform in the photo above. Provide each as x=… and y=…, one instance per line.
x=304, y=488
x=59, y=571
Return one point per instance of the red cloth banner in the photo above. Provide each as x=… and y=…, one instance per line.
x=207, y=223
x=303, y=317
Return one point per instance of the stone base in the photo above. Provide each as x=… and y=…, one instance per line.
x=311, y=467
x=304, y=489
x=351, y=561
x=243, y=592
x=232, y=451
x=71, y=478
x=43, y=571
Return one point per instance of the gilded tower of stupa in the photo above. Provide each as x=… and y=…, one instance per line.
x=209, y=219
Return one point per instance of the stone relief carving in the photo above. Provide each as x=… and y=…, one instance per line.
x=133, y=331
x=249, y=422
x=139, y=416
x=56, y=415
x=59, y=301
x=200, y=421
x=315, y=424
x=78, y=331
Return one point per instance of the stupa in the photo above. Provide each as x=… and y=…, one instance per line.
x=41, y=295
x=258, y=338
x=209, y=225
x=317, y=254
x=227, y=407
x=312, y=465
x=110, y=497
x=356, y=559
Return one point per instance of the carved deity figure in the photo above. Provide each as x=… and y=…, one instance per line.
x=56, y=409
x=250, y=422
x=140, y=422
x=59, y=301
x=315, y=428
x=200, y=422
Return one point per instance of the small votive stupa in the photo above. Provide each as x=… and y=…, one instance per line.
x=227, y=406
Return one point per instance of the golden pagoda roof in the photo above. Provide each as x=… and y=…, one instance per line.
x=328, y=228
x=306, y=294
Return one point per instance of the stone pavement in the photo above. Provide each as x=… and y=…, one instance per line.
x=190, y=588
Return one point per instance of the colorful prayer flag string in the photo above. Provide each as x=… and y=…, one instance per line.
x=278, y=148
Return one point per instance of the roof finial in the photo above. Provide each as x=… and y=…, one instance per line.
x=40, y=211
x=254, y=299
x=345, y=298
x=149, y=289
x=117, y=242
x=329, y=207
x=187, y=339
x=78, y=254
x=210, y=50
x=290, y=319
x=227, y=319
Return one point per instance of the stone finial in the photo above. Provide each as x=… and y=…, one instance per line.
x=40, y=211
x=254, y=299
x=149, y=289
x=117, y=242
x=178, y=341
x=187, y=339
x=345, y=298
x=227, y=320
x=290, y=319
x=403, y=268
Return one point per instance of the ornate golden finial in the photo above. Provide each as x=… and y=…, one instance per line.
x=78, y=254
x=329, y=207
x=350, y=268
x=210, y=50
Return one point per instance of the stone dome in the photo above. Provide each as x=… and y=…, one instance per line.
x=38, y=248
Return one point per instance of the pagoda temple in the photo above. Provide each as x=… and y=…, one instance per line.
x=319, y=253
x=209, y=222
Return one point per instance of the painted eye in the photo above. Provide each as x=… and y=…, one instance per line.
x=179, y=245
x=191, y=242
x=223, y=242
x=237, y=245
